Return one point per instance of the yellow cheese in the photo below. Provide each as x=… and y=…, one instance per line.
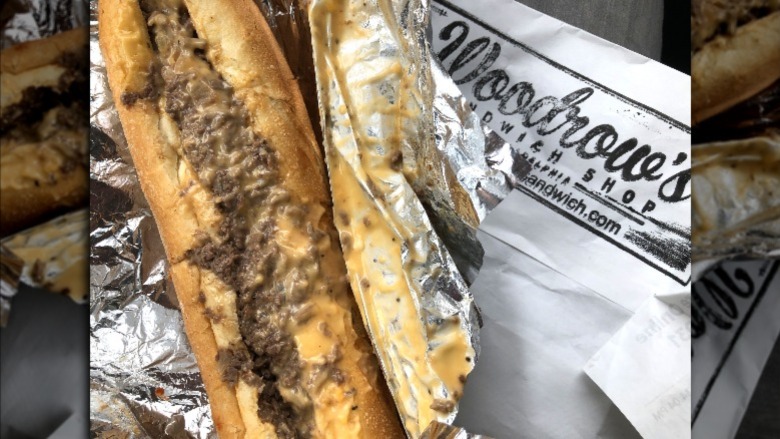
x=371, y=115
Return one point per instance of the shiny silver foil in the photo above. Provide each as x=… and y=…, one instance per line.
x=485, y=165
x=144, y=378
x=736, y=203
x=416, y=165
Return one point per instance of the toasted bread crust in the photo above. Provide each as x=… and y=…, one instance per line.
x=127, y=52
x=32, y=54
x=729, y=70
x=21, y=208
x=28, y=200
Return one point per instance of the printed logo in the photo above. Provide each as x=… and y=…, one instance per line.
x=607, y=163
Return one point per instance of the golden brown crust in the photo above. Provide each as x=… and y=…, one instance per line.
x=37, y=53
x=243, y=50
x=21, y=208
x=729, y=70
x=127, y=54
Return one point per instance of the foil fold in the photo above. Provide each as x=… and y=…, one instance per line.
x=736, y=207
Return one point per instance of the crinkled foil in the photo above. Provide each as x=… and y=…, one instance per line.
x=144, y=379
x=736, y=204
x=735, y=176
x=485, y=166
x=375, y=81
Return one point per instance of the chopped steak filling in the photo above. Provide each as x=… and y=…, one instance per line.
x=36, y=101
x=241, y=172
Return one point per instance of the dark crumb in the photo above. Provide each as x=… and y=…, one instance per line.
x=212, y=315
x=396, y=161
x=442, y=405
x=364, y=283
x=398, y=299
x=468, y=359
x=462, y=379
x=37, y=272
x=344, y=218
x=354, y=407
x=346, y=241
x=366, y=222
x=201, y=297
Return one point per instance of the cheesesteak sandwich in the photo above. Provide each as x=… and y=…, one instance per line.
x=736, y=134
x=43, y=129
x=226, y=157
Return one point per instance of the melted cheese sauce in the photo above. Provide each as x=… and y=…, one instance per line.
x=13, y=85
x=58, y=249
x=41, y=162
x=369, y=107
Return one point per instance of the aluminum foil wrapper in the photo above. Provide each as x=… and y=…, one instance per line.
x=26, y=20
x=399, y=144
x=736, y=209
x=54, y=255
x=735, y=175
x=144, y=378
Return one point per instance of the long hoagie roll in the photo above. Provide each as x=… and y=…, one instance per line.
x=226, y=157
x=43, y=129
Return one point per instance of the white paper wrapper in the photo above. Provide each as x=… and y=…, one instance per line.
x=595, y=243
x=735, y=326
